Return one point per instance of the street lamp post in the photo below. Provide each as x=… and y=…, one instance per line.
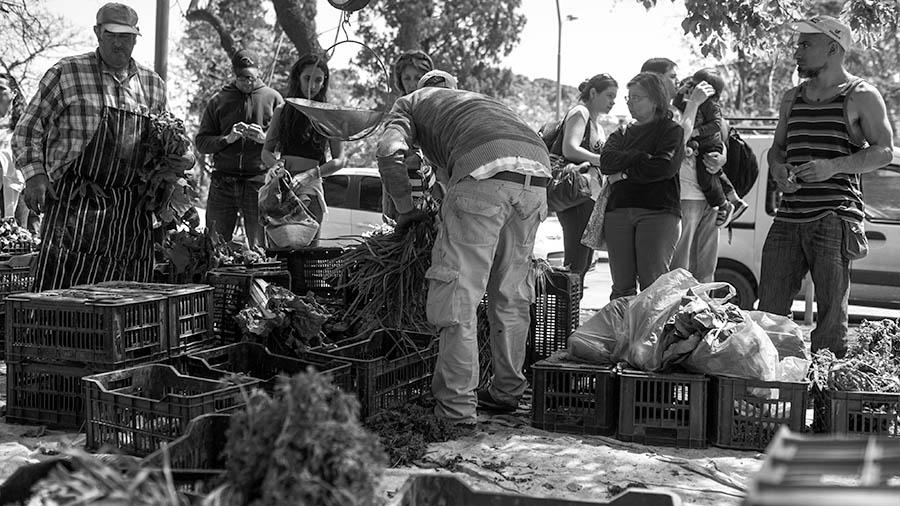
x=558, y=59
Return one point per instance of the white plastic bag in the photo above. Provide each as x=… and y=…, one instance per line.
x=647, y=313
x=596, y=340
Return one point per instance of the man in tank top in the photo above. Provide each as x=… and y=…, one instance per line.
x=831, y=128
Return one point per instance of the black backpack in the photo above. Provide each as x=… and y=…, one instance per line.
x=551, y=133
x=741, y=166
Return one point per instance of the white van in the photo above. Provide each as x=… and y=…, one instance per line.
x=353, y=196
x=875, y=280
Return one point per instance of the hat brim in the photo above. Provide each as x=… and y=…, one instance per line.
x=119, y=28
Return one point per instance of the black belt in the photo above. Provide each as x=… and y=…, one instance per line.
x=516, y=177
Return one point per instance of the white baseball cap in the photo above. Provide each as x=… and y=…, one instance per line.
x=437, y=78
x=834, y=29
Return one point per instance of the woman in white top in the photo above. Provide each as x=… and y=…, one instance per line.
x=582, y=140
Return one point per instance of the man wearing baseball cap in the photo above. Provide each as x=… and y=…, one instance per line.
x=81, y=146
x=233, y=130
x=831, y=128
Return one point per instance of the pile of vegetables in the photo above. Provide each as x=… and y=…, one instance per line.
x=163, y=176
x=872, y=364
x=305, y=446
x=406, y=432
x=190, y=253
x=386, y=274
x=14, y=237
x=284, y=322
x=85, y=480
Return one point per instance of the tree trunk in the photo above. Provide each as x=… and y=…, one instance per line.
x=298, y=20
x=410, y=17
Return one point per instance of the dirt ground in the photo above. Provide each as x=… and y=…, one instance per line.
x=506, y=454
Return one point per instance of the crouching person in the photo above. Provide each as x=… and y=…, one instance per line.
x=498, y=169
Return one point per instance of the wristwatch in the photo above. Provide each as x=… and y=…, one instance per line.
x=624, y=175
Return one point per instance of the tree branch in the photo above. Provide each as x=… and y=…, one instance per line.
x=297, y=19
x=206, y=16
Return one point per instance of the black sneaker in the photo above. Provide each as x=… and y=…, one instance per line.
x=487, y=402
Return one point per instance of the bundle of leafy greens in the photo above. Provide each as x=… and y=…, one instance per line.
x=302, y=446
x=405, y=432
x=164, y=181
x=284, y=322
x=872, y=364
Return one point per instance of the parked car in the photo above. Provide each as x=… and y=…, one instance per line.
x=353, y=196
x=875, y=279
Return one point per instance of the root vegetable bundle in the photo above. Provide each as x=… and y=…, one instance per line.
x=386, y=272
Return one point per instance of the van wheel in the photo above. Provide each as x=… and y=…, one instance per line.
x=745, y=296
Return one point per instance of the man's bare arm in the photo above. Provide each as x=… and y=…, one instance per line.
x=866, y=106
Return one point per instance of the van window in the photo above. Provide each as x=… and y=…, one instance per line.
x=336, y=189
x=880, y=190
x=370, y=194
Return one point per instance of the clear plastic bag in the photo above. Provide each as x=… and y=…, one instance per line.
x=596, y=340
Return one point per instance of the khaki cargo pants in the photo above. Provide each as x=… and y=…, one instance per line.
x=485, y=243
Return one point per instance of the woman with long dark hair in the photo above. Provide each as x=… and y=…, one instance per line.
x=292, y=139
x=643, y=215
x=582, y=139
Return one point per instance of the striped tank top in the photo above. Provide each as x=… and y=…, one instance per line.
x=815, y=131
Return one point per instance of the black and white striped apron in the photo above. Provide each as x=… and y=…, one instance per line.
x=97, y=229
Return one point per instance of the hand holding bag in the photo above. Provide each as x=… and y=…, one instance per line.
x=568, y=187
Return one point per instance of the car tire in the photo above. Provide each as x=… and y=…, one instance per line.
x=745, y=295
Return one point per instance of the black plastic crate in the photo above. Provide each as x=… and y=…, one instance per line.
x=390, y=368
x=662, y=409
x=574, y=398
x=139, y=408
x=441, y=489
x=862, y=413
x=745, y=414
x=824, y=470
x=554, y=315
x=189, y=311
x=13, y=280
x=231, y=294
x=315, y=269
x=46, y=394
x=256, y=361
x=200, y=447
x=101, y=329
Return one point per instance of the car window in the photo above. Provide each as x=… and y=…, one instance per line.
x=880, y=190
x=370, y=194
x=336, y=189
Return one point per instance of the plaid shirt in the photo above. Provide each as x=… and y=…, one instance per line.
x=63, y=115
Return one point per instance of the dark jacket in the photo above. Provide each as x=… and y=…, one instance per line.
x=226, y=108
x=650, y=155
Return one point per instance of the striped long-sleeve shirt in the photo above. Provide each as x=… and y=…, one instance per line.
x=816, y=131
x=60, y=121
x=459, y=132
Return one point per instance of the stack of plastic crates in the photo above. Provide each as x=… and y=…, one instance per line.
x=256, y=361
x=389, y=368
x=745, y=414
x=554, y=316
x=663, y=409
x=827, y=470
x=189, y=316
x=575, y=398
x=13, y=280
x=56, y=337
x=138, y=409
x=555, y=313
x=231, y=294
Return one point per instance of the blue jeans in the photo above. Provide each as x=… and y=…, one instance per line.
x=793, y=249
x=640, y=243
x=698, y=246
x=229, y=196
